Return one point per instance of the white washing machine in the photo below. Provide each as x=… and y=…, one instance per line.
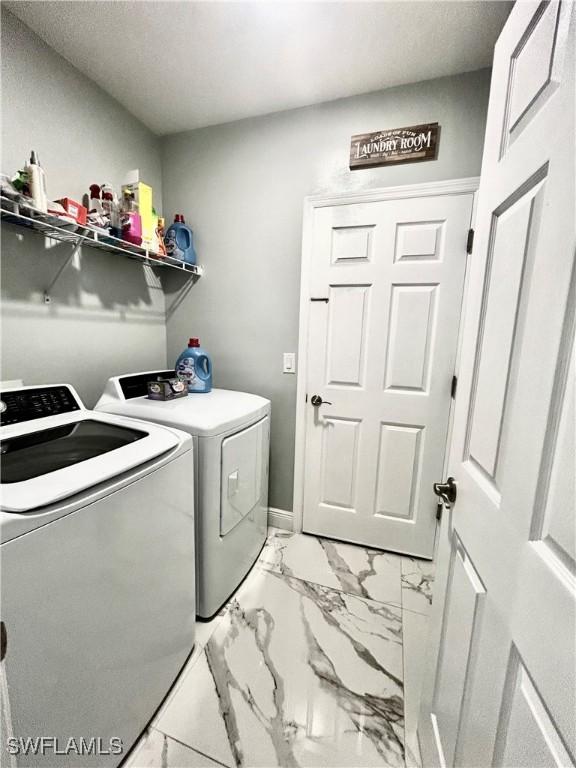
x=97, y=575
x=231, y=432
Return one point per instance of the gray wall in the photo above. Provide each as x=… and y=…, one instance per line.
x=107, y=313
x=241, y=187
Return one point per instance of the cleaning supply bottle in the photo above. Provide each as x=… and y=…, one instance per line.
x=161, y=248
x=195, y=367
x=37, y=181
x=96, y=215
x=179, y=241
x=112, y=210
x=131, y=220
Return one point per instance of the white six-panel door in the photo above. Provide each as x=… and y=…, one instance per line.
x=385, y=292
x=501, y=688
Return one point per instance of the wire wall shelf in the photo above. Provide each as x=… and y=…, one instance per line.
x=49, y=225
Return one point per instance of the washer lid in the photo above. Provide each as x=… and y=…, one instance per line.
x=204, y=414
x=25, y=457
x=73, y=451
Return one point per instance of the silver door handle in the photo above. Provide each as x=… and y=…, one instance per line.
x=317, y=401
x=447, y=492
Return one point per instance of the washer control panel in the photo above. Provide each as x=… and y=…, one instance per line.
x=19, y=405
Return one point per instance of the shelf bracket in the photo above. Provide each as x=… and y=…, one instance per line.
x=20, y=214
x=65, y=264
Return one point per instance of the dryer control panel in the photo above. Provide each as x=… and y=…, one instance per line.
x=19, y=405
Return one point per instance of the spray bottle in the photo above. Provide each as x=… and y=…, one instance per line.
x=37, y=181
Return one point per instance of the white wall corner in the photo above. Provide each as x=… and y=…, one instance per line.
x=280, y=518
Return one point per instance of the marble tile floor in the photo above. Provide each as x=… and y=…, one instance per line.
x=316, y=661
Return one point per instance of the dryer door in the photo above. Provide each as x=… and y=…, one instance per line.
x=243, y=455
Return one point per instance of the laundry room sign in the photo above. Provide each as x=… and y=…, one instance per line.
x=398, y=145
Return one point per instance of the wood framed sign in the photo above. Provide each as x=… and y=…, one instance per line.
x=398, y=145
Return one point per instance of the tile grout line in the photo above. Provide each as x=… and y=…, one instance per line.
x=403, y=660
x=400, y=605
x=197, y=651
x=193, y=749
x=336, y=589
x=344, y=592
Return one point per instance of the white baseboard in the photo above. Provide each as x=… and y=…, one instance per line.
x=280, y=518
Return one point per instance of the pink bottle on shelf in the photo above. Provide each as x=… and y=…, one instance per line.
x=132, y=228
x=131, y=220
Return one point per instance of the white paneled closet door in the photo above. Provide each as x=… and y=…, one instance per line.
x=501, y=687
x=386, y=285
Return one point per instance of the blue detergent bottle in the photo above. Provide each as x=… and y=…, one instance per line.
x=195, y=367
x=179, y=241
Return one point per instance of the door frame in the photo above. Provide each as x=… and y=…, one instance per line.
x=462, y=186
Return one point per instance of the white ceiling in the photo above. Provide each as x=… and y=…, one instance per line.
x=179, y=65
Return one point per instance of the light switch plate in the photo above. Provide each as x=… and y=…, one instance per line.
x=289, y=362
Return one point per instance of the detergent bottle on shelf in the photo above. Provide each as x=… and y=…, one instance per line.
x=179, y=241
x=195, y=367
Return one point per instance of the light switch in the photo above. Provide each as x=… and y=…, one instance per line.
x=289, y=362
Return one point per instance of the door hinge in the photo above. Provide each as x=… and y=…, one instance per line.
x=470, y=241
x=454, y=387
x=3, y=640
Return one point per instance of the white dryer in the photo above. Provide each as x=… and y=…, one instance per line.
x=231, y=432
x=97, y=573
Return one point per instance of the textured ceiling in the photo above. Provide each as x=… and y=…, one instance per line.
x=182, y=65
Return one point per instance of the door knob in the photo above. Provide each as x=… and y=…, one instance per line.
x=317, y=401
x=447, y=492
